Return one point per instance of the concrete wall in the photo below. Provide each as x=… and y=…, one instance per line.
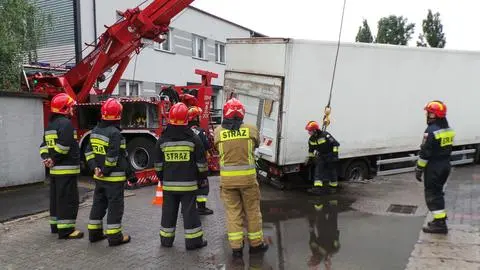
x=21, y=129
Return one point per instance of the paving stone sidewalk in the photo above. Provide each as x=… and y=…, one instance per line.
x=460, y=249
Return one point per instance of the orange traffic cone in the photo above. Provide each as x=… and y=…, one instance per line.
x=158, y=200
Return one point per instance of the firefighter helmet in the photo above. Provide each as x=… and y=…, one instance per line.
x=233, y=108
x=194, y=112
x=312, y=126
x=61, y=104
x=178, y=115
x=438, y=108
x=111, y=110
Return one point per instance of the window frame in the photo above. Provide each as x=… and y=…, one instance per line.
x=195, y=43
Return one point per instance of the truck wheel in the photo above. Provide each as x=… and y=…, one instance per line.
x=356, y=171
x=140, y=153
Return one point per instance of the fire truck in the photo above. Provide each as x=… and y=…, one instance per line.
x=143, y=119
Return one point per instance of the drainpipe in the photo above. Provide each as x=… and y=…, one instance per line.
x=95, y=20
x=77, y=31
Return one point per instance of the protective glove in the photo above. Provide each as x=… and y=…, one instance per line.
x=418, y=174
x=203, y=183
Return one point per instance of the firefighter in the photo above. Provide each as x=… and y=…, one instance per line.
x=61, y=154
x=323, y=154
x=324, y=233
x=239, y=188
x=434, y=163
x=106, y=156
x=180, y=163
x=194, y=114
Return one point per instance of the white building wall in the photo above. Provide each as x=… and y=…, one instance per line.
x=176, y=67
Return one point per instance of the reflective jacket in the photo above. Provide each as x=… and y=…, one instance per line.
x=107, y=150
x=437, y=145
x=237, y=161
x=60, y=144
x=323, y=144
x=180, y=159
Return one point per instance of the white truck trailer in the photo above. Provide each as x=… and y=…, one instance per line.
x=377, y=105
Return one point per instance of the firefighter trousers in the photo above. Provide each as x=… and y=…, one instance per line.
x=324, y=170
x=107, y=195
x=64, y=201
x=191, y=219
x=241, y=202
x=202, y=192
x=436, y=174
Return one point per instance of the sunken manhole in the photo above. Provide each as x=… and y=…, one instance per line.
x=402, y=208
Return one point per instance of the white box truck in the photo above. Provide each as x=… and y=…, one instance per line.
x=377, y=105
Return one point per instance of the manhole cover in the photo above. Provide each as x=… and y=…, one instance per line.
x=402, y=209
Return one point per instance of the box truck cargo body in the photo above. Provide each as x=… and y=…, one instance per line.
x=378, y=98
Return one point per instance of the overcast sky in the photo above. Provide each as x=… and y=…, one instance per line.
x=320, y=19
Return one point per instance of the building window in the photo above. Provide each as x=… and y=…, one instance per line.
x=129, y=88
x=198, y=47
x=220, y=53
x=167, y=44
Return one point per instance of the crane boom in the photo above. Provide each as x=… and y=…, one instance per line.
x=115, y=47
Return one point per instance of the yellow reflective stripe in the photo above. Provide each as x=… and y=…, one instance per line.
x=98, y=141
x=422, y=163
x=439, y=214
x=44, y=150
x=111, y=178
x=113, y=231
x=64, y=171
x=65, y=226
x=75, y=136
x=123, y=146
x=255, y=235
x=180, y=188
x=238, y=173
x=318, y=183
x=333, y=184
x=311, y=154
x=335, y=149
x=318, y=207
x=110, y=164
x=90, y=156
x=251, y=159
x=53, y=222
x=94, y=226
x=193, y=235
x=321, y=141
x=312, y=142
x=201, y=198
x=177, y=148
x=167, y=234
x=235, y=236
x=221, y=153
x=61, y=150
x=51, y=137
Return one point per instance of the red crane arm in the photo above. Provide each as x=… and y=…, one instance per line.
x=116, y=46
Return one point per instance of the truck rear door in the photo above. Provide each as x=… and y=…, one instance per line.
x=261, y=95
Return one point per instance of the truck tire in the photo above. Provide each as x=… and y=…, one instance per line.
x=140, y=153
x=357, y=170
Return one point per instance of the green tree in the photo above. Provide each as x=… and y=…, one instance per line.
x=364, y=34
x=22, y=28
x=394, y=30
x=433, y=34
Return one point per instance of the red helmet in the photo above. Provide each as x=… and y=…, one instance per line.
x=61, y=104
x=188, y=100
x=233, y=108
x=438, y=108
x=194, y=112
x=178, y=115
x=312, y=126
x=111, y=110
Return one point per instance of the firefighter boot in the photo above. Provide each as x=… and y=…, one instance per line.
x=197, y=246
x=203, y=210
x=114, y=241
x=436, y=226
x=96, y=235
x=258, y=249
x=53, y=228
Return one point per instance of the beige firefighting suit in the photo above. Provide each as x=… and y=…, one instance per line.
x=239, y=188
